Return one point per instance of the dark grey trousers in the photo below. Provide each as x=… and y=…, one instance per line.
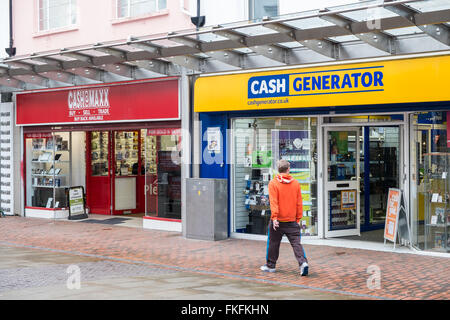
x=292, y=232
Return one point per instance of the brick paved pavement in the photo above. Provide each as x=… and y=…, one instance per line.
x=340, y=270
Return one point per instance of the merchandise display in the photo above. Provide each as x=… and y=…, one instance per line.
x=383, y=172
x=436, y=198
x=126, y=151
x=295, y=147
x=99, y=153
x=48, y=170
x=342, y=209
x=257, y=200
x=258, y=145
x=150, y=155
x=163, y=173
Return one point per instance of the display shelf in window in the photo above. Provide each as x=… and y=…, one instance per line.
x=126, y=152
x=436, y=197
x=257, y=199
x=99, y=153
x=341, y=216
x=48, y=170
x=151, y=155
x=295, y=146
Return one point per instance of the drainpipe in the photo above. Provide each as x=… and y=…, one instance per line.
x=11, y=51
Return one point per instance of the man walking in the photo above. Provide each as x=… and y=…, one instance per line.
x=286, y=211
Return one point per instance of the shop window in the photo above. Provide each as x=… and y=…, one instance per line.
x=262, y=8
x=48, y=169
x=134, y=8
x=258, y=144
x=163, y=173
x=126, y=153
x=429, y=181
x=99, y=153
x=55, y=14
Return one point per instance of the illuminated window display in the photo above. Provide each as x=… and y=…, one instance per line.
x=430, y=184
x=258, y=144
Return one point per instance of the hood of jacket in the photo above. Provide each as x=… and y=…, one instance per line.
x=284, y=178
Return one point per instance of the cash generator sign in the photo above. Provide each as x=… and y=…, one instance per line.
x=278, y=88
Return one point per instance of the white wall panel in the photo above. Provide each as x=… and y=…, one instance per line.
x=7, y=176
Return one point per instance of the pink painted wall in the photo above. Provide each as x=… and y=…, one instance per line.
x=96, y=22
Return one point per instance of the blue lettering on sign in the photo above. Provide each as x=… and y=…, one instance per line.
x=351, y=80
x=268, y=86
x=365, y=79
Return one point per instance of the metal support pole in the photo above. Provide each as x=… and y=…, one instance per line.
x=185, y=142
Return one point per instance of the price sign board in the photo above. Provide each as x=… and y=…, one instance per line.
x=392, y=213
x=397, y=224
x=77, y=206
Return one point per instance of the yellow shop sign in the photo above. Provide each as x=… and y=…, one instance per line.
x=382, y=82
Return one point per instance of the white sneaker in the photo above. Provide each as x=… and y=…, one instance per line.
x=265, y=268
x=304, y=269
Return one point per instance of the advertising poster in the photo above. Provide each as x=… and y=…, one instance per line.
x=392, y=211
x=213, y=138
x=339, y=142
x=77, y=208
x=261, y=159
x=348, y=199
x=293, y=146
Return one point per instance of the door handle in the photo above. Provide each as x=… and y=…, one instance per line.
x=343, y=185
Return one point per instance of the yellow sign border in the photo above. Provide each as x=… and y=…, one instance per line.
x=411, y=80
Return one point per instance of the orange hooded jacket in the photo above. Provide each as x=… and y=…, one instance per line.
x=285, y=197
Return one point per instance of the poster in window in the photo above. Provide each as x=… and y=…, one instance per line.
x=348, y=199
x=261, y=159
x=293, y=146
x=213, y=138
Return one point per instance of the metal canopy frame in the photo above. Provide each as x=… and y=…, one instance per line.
x=362, y=30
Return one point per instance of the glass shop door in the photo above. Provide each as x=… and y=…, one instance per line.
x=127, y=173
x=98, y=175
x=342, y=181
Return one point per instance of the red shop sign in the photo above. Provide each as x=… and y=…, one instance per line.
x=131, y=101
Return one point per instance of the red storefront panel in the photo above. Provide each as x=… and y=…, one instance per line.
x=131, y=101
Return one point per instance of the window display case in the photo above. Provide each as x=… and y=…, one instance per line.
x=436, y=197
x=162, y=173
x=258, y=144
x=126, y=167
x=150, y=154
x=295, y=147
x=342, y=210
x=99, y=153
x=257, y=198
x=127, y=153
x=48, y=170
